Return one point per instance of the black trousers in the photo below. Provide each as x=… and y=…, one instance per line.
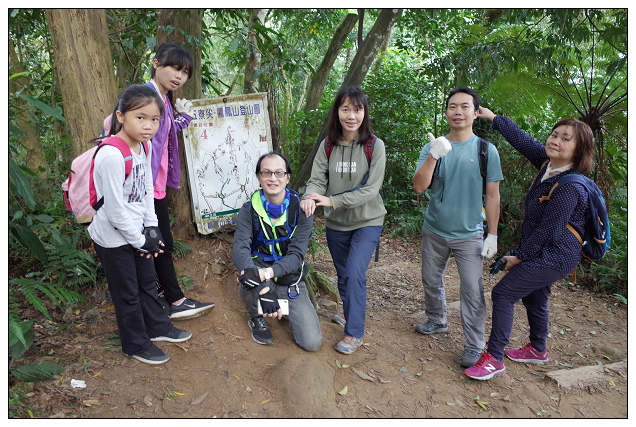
x=164, y=265
x=131, y=282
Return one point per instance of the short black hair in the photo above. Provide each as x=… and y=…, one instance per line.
x=467, y=90
x=271, y=154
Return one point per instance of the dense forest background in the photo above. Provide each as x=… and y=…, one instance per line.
x=66, y=68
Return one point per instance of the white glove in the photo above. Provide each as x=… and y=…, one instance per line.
x=439, y=147
x=490, y=246
x=184, y=106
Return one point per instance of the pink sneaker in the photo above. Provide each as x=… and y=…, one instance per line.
x=528, y=354
x=485, y=368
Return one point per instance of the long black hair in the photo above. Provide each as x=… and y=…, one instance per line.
x=133, y=97
x=358, y=99
x=173, y=55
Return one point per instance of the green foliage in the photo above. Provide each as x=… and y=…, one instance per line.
x=185, y=281
x=180, y=248
x=407, y=223
x=39, y=372
x=18, y=401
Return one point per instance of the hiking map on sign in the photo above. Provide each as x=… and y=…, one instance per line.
x=223, y=142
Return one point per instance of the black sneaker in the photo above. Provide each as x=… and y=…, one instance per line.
x=175, y=335
x=260, y=330
x=153, y=356
x=189, y=309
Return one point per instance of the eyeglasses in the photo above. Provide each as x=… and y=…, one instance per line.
x=268, y=174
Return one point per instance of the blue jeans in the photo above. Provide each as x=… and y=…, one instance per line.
x=533, y=288
x=302, y=314
x=351, y=253
x=436, y=251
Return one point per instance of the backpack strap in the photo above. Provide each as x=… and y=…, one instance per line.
x=128, y=163
x=483, y=164
x=574, y=178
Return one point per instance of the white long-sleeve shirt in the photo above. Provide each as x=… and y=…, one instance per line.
x=128, y=205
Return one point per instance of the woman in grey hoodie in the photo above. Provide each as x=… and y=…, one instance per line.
x=346, y=179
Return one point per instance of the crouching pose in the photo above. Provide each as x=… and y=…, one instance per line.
x=270, y=241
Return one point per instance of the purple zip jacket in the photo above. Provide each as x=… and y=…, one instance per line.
x=181, y=122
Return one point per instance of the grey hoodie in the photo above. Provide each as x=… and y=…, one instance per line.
x=347, y=166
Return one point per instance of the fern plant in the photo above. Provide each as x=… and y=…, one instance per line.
x=181, y=249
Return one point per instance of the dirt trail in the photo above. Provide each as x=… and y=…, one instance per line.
x=221, y=372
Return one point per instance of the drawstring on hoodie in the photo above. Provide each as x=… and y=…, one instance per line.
x=350, y=160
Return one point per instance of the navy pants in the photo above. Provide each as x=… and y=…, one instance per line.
x=164, y=265
x=351, y=252
x=131, y=283
x=533, y=288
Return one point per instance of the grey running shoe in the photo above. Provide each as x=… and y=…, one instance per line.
x=338, y=319
x=348, y=344
x=189, y=309
x=174, y=335
x=260, y=330
x=469, y=358
x=153, y=356
x=430, y=327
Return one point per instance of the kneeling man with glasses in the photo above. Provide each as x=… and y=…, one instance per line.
x=270, y=241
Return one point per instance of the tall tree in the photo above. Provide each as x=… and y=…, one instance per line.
x=358, y=70
x=184, y=27
x=35, y=159
x=319, y=81
x=85, y=70
x=253, y=61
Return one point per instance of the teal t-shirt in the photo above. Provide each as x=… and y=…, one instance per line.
x=455, y=209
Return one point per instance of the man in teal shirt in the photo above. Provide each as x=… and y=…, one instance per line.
x=454, y=220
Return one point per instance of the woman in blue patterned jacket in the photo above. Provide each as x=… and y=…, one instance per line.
x=547, y=250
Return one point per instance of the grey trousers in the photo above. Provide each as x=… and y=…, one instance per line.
x=436, y=251
x=302, y=314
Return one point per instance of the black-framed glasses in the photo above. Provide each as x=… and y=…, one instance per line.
x=268, y=174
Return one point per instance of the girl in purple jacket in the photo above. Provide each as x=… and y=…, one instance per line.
x=547, y=251
x=171, y=69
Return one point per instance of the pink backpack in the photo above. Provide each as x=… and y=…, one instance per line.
x=79, y=189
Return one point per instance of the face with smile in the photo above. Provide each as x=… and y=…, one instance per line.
x=169, y=77
x=140, y=124
x=560, y=146
x=460, y=112
x=273, y=186
x=351, y=117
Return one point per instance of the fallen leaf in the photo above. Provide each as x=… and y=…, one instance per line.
x=459, y=403
x=148, y=401
x=200, y=398
x=343, y=391
x=363, y=375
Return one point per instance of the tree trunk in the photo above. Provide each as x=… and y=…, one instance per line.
x=85, y=70
x=319, y=81
x=253, y=60
x=191, y=22
x=360, y=66
x=133, y=62
x=35, y=159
